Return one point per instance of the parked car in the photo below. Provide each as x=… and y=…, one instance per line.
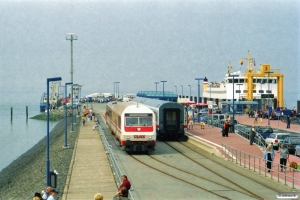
x=203, y=111
x=265, y=131
x=276, y=138
x=297, y=150
x=291, y=142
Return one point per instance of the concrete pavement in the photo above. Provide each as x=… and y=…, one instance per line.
x=89, y=171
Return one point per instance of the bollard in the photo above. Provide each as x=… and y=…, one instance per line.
x=26, y=112
x=11, y=113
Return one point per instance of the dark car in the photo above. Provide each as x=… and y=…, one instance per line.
x=291, y=142
x=264, y=131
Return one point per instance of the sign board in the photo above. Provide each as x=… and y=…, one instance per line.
x=267, y=95
x=210, y=104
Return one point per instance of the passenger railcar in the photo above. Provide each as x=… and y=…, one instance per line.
x=133, y=125
x=170, y=117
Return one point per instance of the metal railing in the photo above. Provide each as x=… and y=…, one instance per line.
x=258, y=164
x=244, y=131
x=113, y=162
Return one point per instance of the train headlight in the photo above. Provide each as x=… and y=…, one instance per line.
x=150, y=137
x=127, y=137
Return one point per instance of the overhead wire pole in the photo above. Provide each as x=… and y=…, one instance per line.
x=198, y=98
x=156, y=85
x=72, y=37
x=233, y=75
x=190, y=93
x=163, y=88
x=268, y=96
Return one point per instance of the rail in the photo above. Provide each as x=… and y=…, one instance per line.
x=113, y=162
x=257, y=164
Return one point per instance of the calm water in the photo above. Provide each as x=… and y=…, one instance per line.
x=19, y=134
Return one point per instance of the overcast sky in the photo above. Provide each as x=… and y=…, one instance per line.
x=140, y=42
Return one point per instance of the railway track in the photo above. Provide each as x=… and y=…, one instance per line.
x=244, y=189
x=221, y=187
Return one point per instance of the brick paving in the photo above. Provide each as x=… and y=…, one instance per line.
x=213, y=136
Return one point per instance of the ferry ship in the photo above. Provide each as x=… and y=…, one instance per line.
x=262, y=85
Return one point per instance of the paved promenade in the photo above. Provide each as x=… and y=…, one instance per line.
x=89, y=171
x=213, y=137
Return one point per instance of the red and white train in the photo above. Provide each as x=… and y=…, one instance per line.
x=133, y=125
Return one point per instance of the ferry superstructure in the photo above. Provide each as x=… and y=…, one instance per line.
x=254, y=84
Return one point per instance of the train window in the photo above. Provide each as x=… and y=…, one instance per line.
x=132, y=121
x=145, y=121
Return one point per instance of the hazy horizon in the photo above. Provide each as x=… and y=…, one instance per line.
x=138, y=43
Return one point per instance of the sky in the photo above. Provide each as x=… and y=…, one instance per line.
x=141, y=42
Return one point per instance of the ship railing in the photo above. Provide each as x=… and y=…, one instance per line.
x=257, y=71
x=113, y=162
x=258, y=164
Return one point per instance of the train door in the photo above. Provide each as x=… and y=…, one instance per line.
x=171, y=121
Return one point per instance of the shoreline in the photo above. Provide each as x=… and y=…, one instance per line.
x=27, y=174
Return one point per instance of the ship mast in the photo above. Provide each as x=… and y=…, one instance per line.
x=249, y=61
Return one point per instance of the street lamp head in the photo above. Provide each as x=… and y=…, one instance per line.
x=163, y=81
x=54, y=79
x=71, y=36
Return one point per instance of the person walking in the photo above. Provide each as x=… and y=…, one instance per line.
x=255, y=117
x=284, y=156
x=226, y=128
x=191, y=123
x=52, y=195
x=288, y=122
x=252, y=135
x=188, y=121
x=202, y=121
x=268, y=157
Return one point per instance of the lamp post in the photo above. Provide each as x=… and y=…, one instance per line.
x=181, y=91
x=72, y=37
x=163, y=88
x=190, y=92
x=156, y=85
x=261, y=92
x=268, y=95
x=198, y=98
x=66, y=119
x=48, y=135
x=233, y=75
x=74, y=93
x=239, y=91
x=176, y=88
x=117, y=89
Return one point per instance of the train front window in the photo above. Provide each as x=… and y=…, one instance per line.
x=145, y=121
x=132, y=121
x=138, y=119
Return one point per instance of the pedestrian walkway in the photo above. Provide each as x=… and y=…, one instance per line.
x=244, y=119
x=212, y=136
x=89, y=171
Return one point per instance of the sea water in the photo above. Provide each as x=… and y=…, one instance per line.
x=18, y=134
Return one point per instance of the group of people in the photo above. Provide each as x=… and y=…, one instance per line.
x=122, y=194
x=49, y=194
x=123, y=190
x=190, y=122
x=269, y=156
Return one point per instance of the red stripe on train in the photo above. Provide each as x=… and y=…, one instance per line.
x=138, y=129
